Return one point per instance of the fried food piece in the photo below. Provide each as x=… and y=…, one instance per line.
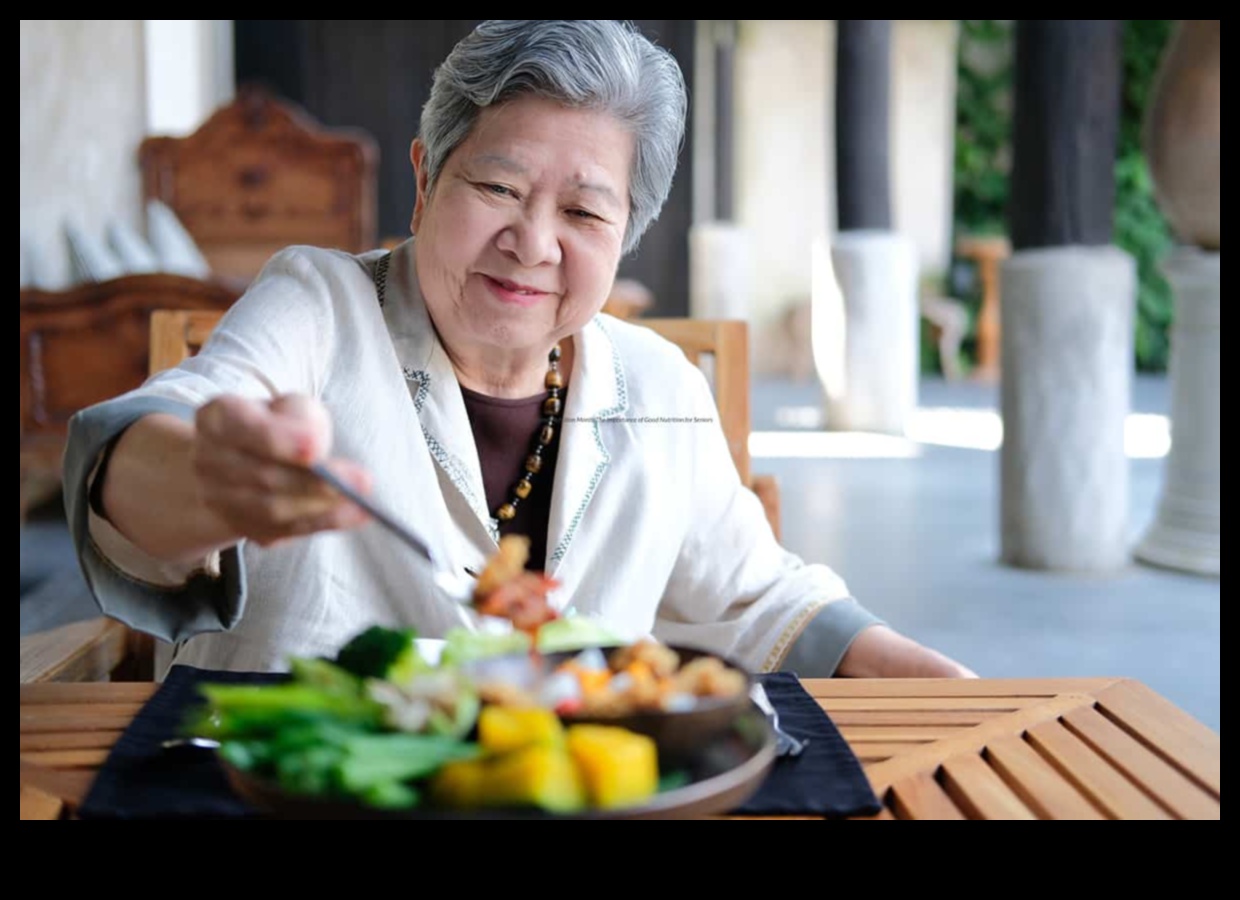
x=507, y=563
x=707, y=676
x=523, y=600
x=662, y=659
x=507, y=591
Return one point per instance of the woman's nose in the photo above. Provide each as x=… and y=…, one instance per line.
x=532, y=238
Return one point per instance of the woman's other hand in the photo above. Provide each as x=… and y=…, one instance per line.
x=250, y=458
x=880, y=652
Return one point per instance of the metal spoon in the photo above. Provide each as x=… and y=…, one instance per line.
x=460, y=587
x=190, y=743
x=785, y=744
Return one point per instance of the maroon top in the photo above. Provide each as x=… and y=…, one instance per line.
x=505, y=432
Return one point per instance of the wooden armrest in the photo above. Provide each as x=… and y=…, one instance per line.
x=79, y=651
x=767, y=489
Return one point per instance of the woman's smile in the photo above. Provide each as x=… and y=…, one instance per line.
x=514, y=293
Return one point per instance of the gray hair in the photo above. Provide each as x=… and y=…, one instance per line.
x=600, y=64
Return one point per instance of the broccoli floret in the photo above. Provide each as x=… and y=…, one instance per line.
x=379, y=652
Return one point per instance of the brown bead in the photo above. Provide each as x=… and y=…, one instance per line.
x=554, y=379
x=522, y=489
x=533, y=463
x=506, y=512
x=552, y=406
x=555, y=354
x=546, y=436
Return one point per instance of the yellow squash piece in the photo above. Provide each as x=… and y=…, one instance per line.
x=541, y=776
x=503, y=729
x=619, y=767
x=459, y=784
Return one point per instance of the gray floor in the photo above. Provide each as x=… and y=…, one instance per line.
x=917, y=541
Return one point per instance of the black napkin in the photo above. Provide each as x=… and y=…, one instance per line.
x=826, y=779
x=141, y=780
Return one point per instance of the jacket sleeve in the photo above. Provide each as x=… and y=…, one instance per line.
x=276, y=339
x=734, y=589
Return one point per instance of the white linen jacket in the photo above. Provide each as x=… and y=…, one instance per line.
x=650, y=530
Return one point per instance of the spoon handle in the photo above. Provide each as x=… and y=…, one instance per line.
x=384, y=518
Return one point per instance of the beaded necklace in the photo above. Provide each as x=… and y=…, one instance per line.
x=552, y=410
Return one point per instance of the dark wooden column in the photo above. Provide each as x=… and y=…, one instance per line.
x=1065, y=129
x=725, y=99
x=862, y=89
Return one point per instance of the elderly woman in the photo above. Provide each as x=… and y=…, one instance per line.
x=468, y=381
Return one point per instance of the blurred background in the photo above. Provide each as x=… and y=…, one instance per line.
x=867, y=195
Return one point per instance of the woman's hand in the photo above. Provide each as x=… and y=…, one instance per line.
x=880, y=652
x=250, y=460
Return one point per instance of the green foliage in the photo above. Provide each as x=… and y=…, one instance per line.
x=1140, y=227
x=983, y=162
x=983, y=126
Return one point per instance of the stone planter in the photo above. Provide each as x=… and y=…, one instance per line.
x=1067, y=349
x=876, y=387
x=1186, y=532
x=1183, y=144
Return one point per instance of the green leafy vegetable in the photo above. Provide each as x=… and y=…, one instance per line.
x=379, y=652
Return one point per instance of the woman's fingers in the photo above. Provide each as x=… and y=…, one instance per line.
x=251, y=461
x=292, y=431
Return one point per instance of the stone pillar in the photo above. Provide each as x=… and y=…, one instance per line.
x=1067, y=303
x=1067, y=345
x=874, y=386
x=1186, y=531
x=1183, y=143
x=877, y=276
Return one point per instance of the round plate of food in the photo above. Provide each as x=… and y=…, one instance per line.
x=634, y=731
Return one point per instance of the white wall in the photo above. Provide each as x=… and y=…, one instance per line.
x=189, y=65
x=82, y=118
x=923, y=135
x=90, y=92
x=785, y=158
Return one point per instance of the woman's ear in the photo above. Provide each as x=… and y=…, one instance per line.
x=417, y=155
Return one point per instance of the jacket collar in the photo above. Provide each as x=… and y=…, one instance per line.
x=597, y=391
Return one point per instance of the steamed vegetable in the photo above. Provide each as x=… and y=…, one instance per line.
x=378, y=652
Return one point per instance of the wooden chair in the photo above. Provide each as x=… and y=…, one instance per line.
x=80, y=347
x=85, y=345
x=721, y=348
x=261, y=174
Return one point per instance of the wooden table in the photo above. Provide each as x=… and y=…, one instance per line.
x=933, y=749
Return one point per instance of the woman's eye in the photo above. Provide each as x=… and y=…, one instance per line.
x=582, y=214
x=499, y=190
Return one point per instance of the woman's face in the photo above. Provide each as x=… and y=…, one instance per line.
x=518, y=244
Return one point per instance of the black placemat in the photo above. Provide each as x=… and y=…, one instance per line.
x=827, y=778
x=140, y=780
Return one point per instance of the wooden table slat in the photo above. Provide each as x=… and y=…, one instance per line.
x=68, y=740
x=1036, y=782
x=977, y=790
x=87, y=692
x=936, y=704
x=921, y=797
x=1174, y=733
x=877, y=751
x=824, y=688
x=34, y=724
x=1092, y=774
x=918, y=734
x=925, y=757
x=1150, y=771
x=38, y=805
x=918, y=717
x=56, y=710
x=67, y=759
